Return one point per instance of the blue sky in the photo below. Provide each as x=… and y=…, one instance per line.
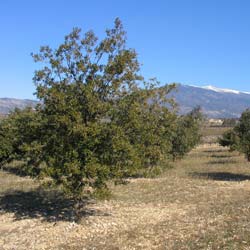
x=197, y=42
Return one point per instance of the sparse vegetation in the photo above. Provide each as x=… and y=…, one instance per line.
x=202, y=203
x=187, y=133
x=230, y=139
x=239, y=137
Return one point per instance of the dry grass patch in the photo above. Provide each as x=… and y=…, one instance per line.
x=201, y=203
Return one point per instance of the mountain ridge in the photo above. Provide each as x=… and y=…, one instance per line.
x=8, y=104
x=214, y=102
x=220, y=90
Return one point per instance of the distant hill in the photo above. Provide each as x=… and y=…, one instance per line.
x=215, y=102
x=9, y=104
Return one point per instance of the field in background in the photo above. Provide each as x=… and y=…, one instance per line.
x=210, y=134
x=214, y=131
x=202, y=203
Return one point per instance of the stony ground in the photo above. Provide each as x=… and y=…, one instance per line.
x=201, y=203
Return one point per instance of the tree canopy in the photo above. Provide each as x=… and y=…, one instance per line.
x=238, y=138
x=98, y=119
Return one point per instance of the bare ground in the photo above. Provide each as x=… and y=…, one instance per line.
x=201, y=203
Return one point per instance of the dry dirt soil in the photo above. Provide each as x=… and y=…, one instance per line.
x=203, y=202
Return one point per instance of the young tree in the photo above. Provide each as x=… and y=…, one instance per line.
x=242, y=129
x=187, y=133
x=6, y=140
x=99, y=124
x=79, y=85
x=148, y=122
x=20, y=136
x=239, y=137
x=230, y=139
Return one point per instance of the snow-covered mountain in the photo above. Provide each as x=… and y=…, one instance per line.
x=210, y=87
x=215, y=102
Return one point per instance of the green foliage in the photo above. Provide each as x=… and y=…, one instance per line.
x=230, y=139
x=6, y=140
x=80, y=86
x=242, y=130
x=229, y=122
x=98, y=119
x=20, y=139
x=148, y=123
x=187, y=133
x=239, y=137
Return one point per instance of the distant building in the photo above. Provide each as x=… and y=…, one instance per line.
x=215, y=122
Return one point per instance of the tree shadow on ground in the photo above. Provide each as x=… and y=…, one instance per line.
x=17, y=170
x=214, y=150
x=222, y=161
x=221, y=176
x=220, y=156
x=47, y=205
